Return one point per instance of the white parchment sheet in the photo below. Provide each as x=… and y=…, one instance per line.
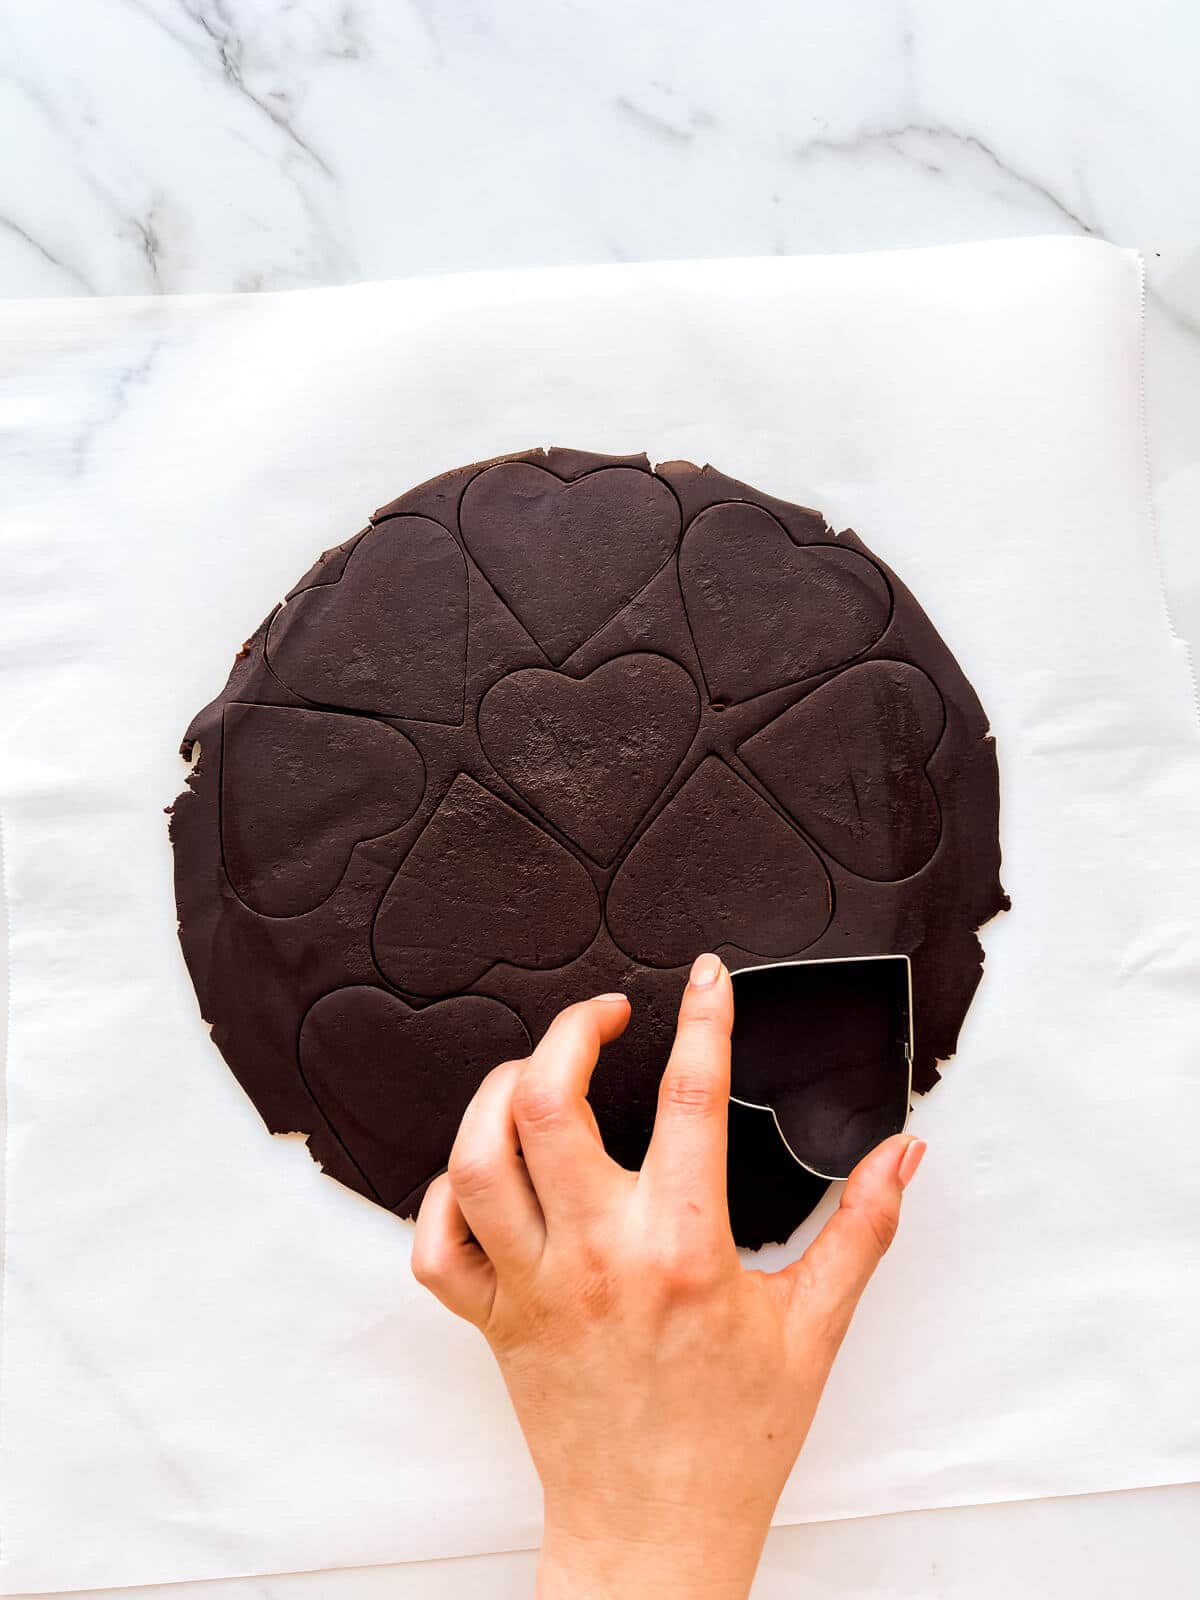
x=214, y=1359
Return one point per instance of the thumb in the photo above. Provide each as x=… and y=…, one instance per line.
x=832, y=1273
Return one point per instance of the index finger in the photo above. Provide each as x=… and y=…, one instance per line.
x=564, y=1156
x=685, y=1164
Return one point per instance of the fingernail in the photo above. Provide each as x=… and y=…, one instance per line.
x=910, y=1161
x=705, y=971
x=611, y=999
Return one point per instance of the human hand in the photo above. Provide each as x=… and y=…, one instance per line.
x=664, y=1390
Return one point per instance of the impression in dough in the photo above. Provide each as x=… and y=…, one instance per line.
x=550, y=726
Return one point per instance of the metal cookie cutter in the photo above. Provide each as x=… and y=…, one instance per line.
x=826, y=1048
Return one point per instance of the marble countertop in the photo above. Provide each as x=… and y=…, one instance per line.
x=166, y=146
x=174, y=145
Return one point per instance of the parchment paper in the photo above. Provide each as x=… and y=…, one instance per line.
x=214, y=1359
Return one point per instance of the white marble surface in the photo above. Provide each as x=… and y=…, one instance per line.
x=161, y=146
x=170, y=145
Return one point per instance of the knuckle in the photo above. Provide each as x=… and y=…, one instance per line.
x=682, y=1270
x=690, y=1088
x=428, y=1267
x=471, y=1173
x=690, y=1279
x=508, y=1068
x=568, y=1019
x=538, y=1102
x=883, y=1222
x=706, y=1009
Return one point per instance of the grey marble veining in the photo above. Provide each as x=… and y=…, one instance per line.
x=165, y=146
x=175, y=145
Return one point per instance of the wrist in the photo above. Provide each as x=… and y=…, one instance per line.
x=683, y=1556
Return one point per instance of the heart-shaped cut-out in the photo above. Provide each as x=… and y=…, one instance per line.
x=765, y=611
x=481, y=885
x=566, y=557
x=390, y=636
x=592, y=754
x=848, y=762
x=393, y=1082
x=299, y=789
x=717, y=866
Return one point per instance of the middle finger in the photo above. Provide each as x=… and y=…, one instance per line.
x=571, y=1172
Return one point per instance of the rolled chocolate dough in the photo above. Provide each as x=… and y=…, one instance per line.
x=550, y=726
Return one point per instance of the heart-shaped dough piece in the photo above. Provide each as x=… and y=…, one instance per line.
x=717, y=866
x=765, y=611
x=299, y=789
x=848, y=762
x=592, y=754
x=566, y=557
x=393, y=1082
x=390, y=636
x=481, y=885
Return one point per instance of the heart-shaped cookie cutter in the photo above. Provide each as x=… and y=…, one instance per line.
x=884, y=1045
